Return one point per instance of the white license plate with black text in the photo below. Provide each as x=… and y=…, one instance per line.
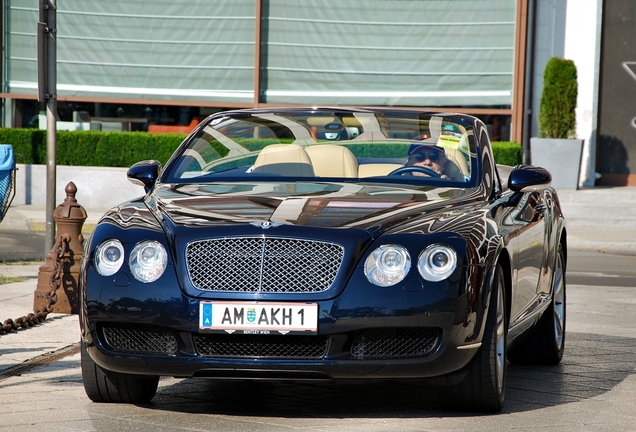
x=258, y=317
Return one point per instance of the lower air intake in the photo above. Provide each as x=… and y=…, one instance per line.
x=265, y=347
x=395, y=343
x=139, y=339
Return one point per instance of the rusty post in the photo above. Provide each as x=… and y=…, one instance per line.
x=69, y=218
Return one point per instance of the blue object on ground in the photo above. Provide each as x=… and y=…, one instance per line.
x=7, y=177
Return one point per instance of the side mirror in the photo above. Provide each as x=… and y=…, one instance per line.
x=525, y=178
x=144, y=173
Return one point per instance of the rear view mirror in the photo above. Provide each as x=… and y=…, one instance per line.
x=525, y=178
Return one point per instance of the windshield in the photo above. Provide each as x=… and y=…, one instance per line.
x=317, y=145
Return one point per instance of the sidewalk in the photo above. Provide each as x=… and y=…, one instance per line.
x=33, y=218
x=16, y=300
x=601, y=219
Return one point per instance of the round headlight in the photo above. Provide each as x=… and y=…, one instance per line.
x=437, y=262
x=109, y=256
x=387, y=265
x=148, y=261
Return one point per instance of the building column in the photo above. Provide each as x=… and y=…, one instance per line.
x=583, y=46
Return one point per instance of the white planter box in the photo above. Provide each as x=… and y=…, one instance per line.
x=100, y=187
x=562, y=157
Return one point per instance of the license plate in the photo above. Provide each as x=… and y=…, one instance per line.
x=258, y=317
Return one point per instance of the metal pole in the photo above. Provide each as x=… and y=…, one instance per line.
x=528, y=93
x=51, y=126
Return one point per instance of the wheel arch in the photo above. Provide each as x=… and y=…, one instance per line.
x=499, y=257
x=505, y=262
x=563, y=241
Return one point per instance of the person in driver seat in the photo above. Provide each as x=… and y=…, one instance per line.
x=428, y=156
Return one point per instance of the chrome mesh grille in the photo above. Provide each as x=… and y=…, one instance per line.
x=257, y=346
x=257, y=264
x=395, y=343
x=139, y=339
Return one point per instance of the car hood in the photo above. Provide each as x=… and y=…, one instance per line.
x=351, y=215
x=369, y=207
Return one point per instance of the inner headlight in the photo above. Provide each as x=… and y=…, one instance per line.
x=387, y=265
x=109, y=256
x=437, y=262
x=148, y=261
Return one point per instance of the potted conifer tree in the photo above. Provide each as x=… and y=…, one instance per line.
x=556, y=148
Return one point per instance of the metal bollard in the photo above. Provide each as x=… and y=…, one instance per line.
x=69, y=218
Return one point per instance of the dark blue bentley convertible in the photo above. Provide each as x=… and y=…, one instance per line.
x=325, y=244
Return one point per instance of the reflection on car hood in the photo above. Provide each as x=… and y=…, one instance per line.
x=354, y=205
x=133, y=214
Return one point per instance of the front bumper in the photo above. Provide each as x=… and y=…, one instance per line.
x=431, y=342
x=375, y=353
x=190, y=366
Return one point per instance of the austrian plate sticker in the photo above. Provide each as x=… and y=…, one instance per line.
x=258, y=317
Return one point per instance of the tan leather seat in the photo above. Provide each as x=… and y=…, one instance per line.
x=456, y=165
x=284, y=159
x=333, y=161
x=377, y=169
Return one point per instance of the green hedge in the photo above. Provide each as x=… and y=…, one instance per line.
x=507, y=153
x=123, y=149
x=91, y=148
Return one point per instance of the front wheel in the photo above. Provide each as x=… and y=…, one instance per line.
x=101, y=386
x=484, y=386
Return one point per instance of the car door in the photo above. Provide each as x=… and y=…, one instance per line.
x=530, y=219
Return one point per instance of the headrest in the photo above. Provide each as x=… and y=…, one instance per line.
x=332, y=132
x=284, y=159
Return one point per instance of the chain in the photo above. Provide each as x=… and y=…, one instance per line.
x=55, y=281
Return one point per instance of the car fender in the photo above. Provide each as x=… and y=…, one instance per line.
x=479, y=281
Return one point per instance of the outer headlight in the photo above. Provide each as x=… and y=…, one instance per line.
x=109, y=256
x=437, y=262
x=387, y=265
x=148, y=261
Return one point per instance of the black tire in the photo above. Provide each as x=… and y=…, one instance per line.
x=115, y=387
x=546, y=343
x=484, y=386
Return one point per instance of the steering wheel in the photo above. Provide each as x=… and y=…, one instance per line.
x=413, y=169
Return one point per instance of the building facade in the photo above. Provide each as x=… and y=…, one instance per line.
x=171, y=62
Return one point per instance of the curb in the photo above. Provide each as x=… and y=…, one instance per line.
x=610, y=247
x=39, y=226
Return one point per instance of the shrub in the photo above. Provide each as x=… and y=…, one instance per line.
x=91, y=148
x=558, y=99
x=29, y=145
x=507, y=153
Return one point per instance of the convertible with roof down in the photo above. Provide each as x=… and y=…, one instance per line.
x=327, y=244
